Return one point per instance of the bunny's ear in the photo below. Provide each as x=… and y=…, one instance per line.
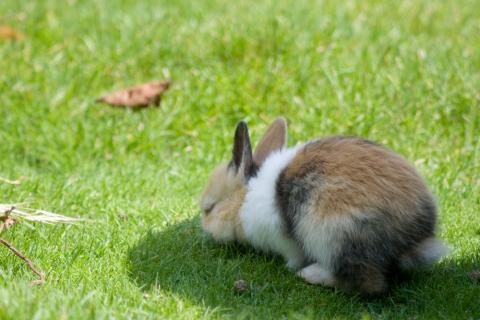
x=274, y=139
x=242, y=159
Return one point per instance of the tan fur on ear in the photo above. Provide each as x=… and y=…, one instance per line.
x=273, y=140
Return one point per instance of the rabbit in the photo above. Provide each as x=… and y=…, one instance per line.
x=344, y=212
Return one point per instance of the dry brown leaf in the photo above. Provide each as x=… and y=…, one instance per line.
x=137, y=97
x=6, y=222
x=8, y=33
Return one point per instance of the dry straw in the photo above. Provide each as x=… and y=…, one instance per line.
x=10, y=214
x=35, y=215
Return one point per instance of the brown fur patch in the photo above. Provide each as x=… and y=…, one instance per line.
x=224, y=218
x=374, y=282
x=357, y=174
x=364, y=279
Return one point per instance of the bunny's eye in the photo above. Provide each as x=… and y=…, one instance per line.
x=209, y=208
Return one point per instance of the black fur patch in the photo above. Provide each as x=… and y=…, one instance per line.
x=250, y=173
x=293, y=193
x=369, y=251
x=242, y=152
x=372, y=252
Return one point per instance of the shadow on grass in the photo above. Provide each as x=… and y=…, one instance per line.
x=184, y=261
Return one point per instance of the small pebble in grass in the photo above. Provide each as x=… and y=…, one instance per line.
x=474, y=275
x=240, y=286
x=122, y=215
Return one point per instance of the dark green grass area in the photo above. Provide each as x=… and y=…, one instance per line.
x=402, y=73
x=161, y=260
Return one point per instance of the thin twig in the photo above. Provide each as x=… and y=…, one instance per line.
x=40, y=274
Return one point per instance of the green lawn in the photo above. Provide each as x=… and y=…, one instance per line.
x=403, y=73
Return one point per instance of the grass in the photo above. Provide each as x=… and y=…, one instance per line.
x=402, y=73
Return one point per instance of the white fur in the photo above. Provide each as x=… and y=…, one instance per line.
x=426, y=253
x=259, y=215
x=323, y=236
x=316, y=274
x=432, y=250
